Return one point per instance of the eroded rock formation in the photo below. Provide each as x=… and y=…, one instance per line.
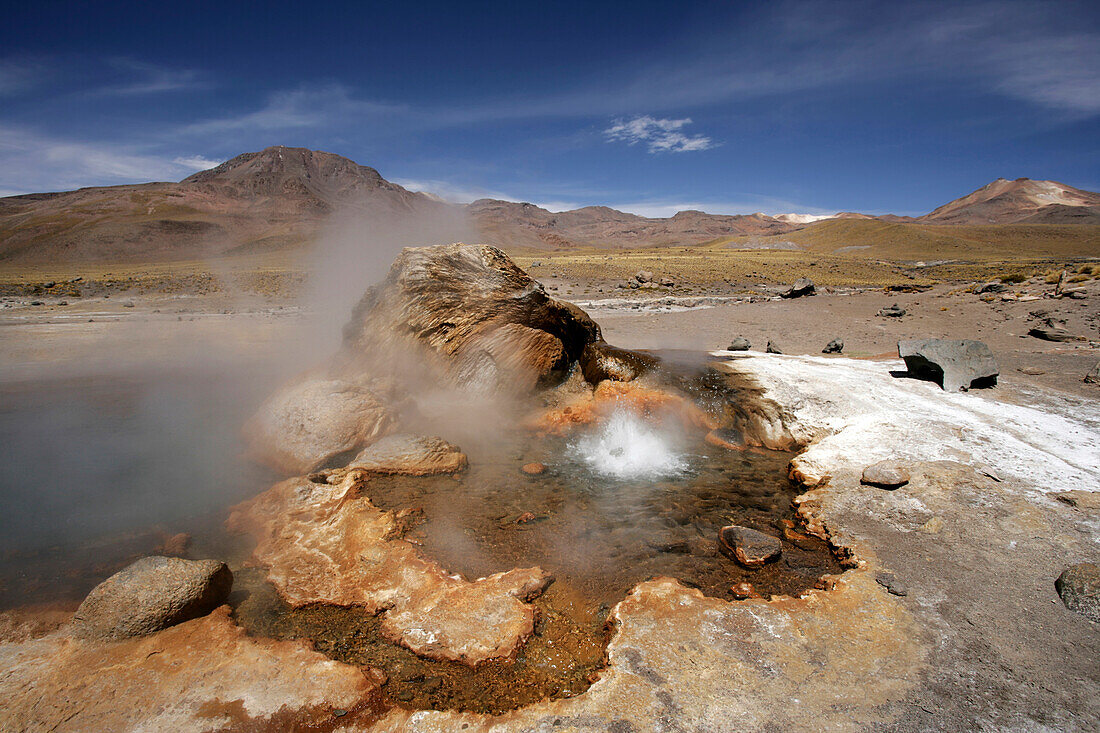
x=323, y=542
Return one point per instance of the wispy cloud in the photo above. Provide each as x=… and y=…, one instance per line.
x=144, y=78
x=31, y=162
x=197, y=162
x=17, y=76
x=659, y=135
x=304, y=107
x=748, y=205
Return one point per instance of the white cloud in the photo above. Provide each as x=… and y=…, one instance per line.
x=659, y=135
x=197, y=162
x=33, y=162
x=1059, y=72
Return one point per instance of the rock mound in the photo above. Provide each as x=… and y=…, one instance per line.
x=474, y=309
x=152, y=594
x=311, y=421
x=955, y=365
x=410, y=455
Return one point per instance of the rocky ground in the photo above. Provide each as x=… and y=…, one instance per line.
x=950, y=622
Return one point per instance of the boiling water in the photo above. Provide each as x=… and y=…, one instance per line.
x=627, y=447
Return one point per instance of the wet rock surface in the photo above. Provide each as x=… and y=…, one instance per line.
x=1079, y=587
x=885, y=474
x=151, y=594
x=955, y=364
x=326, y=543
x=749, y=547
x=412, y=455
x=313, y=420
x=204, y=674
x=602, y=361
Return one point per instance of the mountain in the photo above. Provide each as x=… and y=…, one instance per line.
x=284, y=197
x=1020, y=201
x=511, y=224
x=255, y=202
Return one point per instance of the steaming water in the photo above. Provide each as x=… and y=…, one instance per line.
x=625, y=447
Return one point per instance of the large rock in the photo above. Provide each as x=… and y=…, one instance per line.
x=323, y=542
x=410, y=455
x=956, y=365
x=311, y=421
x=1053, y=333
x=1079, y=587
x=801, y=287
x=740, y=343
x=152, y=594
x=472, y=308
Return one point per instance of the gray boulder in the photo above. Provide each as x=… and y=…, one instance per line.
x=1053, y=333
x=772, y=349
x=151, y=594
x=748, y=546
x=643, y=276
x=802, y=286
x=955, y=365
x=892, y=311
x=833, y=347
x=739, y=344
x=1079, y=587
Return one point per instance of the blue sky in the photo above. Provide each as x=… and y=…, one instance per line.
x=803, y=107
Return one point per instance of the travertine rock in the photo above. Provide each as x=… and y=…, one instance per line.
x=410, y=455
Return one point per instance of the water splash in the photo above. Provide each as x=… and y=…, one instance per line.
x=626, y=447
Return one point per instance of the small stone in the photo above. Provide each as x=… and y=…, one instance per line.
x=525, y=518
x=128, y=304
x=49, y=284
x=1079, y=587
x=643, y=276
x=1030, y=371
x=993, y=287
x=667, y=282
x=892, y=311
x=833, y=347
x=772, y=348
x=885, y=475
x=749, y=547
x=176, y=545
x=534, y=469
x=891, y=584
x=739, y=344
x=741, y=591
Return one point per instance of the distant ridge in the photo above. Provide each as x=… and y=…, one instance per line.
x=1019, y=201
x=281, y=197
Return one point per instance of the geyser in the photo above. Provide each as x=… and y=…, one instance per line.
x=625, y=447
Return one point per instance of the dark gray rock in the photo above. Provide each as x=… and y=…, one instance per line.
x=772, y=348
x=739, y=344
x=891, y=584
x=993, y=287
x=748, y=546
x=833, y=347
x=667, y=282
x=1093, y=377
x=1079, y=587
x=802, y=286
x=957, y=365
x=1052, y=334
x=151, y=594
x=892, y=311
x=886, y=475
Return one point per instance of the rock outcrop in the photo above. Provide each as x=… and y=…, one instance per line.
x=204, y=674
x=955, y=365
x=152, y=594
x=483, y=318
x=323, y=542
x=1079, y=588
x=313, y=420
x=410, y=455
